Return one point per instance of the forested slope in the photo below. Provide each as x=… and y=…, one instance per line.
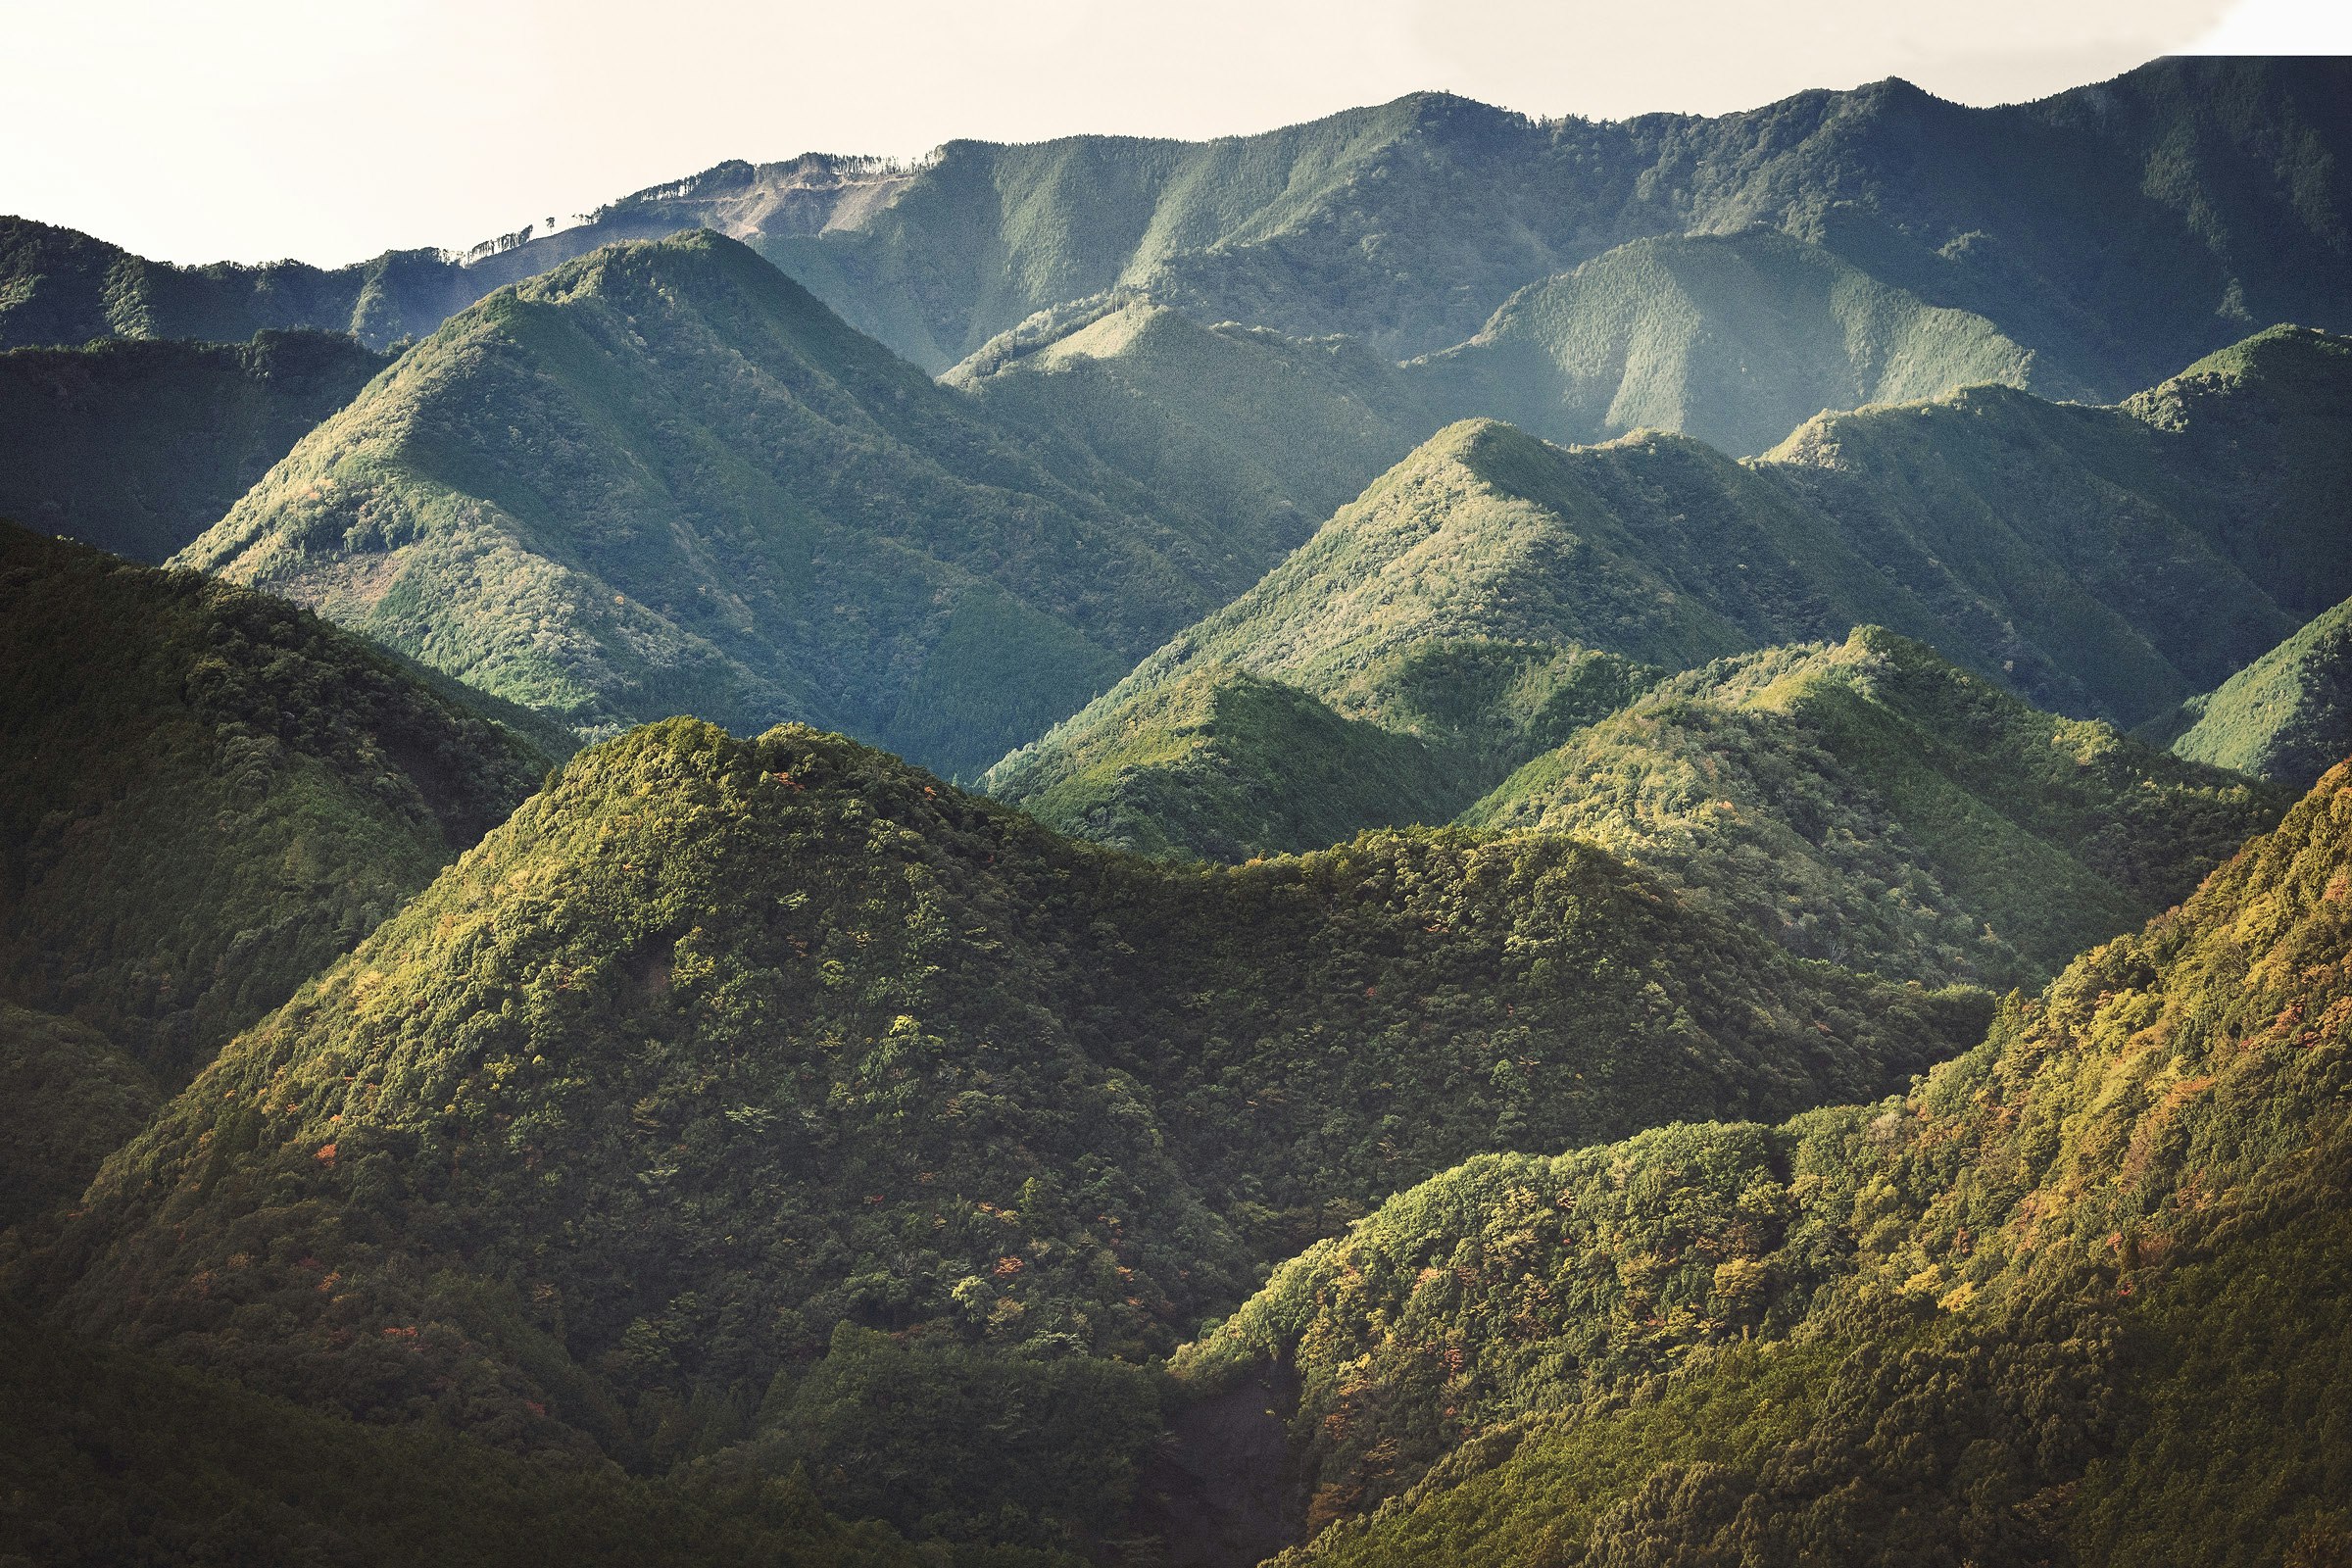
x=2287, y=715
x=1234, y=421
x=138, y=447
x=1871, y=804
x=114, y=1458
x=662, y=478
x=720, y=1054
x=2116, y=230
x=2077, y=1296
x=207, y=794
x=2098, y=562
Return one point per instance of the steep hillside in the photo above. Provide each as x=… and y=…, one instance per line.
x=1735, y=339
x=1204, y=757
x=662, y=478
x=2077, y=1296
x=720, y=1055
x=1222, y=765
x=2286, y=716
x=2099, y=562
x=1871, y=804
x=1228, y=421
x=138, y=447
x=2167, y=541
x=206, y=795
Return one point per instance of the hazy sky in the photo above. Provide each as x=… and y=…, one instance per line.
x=251, y=130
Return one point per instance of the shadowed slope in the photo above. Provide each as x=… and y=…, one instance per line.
x=206, y=795
x=138, y=447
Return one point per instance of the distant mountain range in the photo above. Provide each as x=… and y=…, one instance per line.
x=2116, y=231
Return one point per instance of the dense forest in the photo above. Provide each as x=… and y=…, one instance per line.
x=1429, y=838
x=719, y=1045
x=207, y=794
x=2077, y=1296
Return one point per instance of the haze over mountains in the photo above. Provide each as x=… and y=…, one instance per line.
x=2096, y=561
x=1532, y=683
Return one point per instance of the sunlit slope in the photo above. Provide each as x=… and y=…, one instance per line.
x=2098, y=562
x=2077, y=1296
x=2286, y=716
x=1870, y=802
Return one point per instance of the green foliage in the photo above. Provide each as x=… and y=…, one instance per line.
x=138, y=447
x=2171, y=539
x=1227, y=422
x=208, y=794
x=1735, y=339
x=663, y=479
x=1407, y=226
x=58, y=288
x=1225, y=766
x=2286, y=716
x=67, y=1099
x=114, y=1459
x=1873, y=805
x=2077, y=1293
x=716, y=1044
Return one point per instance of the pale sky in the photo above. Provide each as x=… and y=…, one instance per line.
x=253, y=130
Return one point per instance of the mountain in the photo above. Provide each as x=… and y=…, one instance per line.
x=663, y=479
x=60, y=288
x=2098, y=562
x=2285, y=716
x=734, y=1092
x=137, y=447
x=1871, y=804
x=2115, y=231
x=2075, y=1297
x=207, y=794
x=1735, y=339
x=1239, y=422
